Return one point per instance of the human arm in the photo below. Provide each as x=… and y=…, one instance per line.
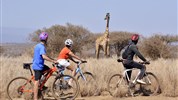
x=136, y=51
x=48, y=58
x=74, y=56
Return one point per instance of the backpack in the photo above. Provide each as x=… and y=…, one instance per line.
x=124, y=52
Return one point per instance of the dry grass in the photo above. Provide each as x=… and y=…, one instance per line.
x=165, y=70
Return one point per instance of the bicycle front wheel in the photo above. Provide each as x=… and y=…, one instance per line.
x=62, y=90
x=152, y=85
x=117, y=86
x=87, y=83
x=20, y=87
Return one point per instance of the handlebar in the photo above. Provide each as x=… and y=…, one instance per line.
x=78, y=63
x=145, y=62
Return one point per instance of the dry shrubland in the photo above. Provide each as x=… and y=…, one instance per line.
x=156, y=46
x=165, y=70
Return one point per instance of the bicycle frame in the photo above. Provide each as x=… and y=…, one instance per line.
x=47, y=75
x=127, y=77
x=136, y=77
x=79, y=70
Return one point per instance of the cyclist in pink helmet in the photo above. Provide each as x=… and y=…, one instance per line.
x=38, y=61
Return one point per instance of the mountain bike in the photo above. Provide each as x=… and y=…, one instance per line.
x=118, y=82
x=22, y=87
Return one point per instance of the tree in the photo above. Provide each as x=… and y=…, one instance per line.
x=58, y=34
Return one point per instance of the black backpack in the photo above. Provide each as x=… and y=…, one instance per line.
x=124, y=52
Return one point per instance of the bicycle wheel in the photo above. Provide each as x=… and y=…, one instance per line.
x=62, y=90
x=117, y=86
x=87, y=83
x=152, y=85
x=20, y=87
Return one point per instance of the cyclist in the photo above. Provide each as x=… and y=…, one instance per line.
x=38, y=61
x=66, y=54
x=128, y=60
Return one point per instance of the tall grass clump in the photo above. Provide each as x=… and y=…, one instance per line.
x=165, y=70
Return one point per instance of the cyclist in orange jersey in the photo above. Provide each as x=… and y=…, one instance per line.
x=66, y=54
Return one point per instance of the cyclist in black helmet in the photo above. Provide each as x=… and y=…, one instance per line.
x=129, y=63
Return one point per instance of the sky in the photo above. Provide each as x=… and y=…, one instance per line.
x=146, y=17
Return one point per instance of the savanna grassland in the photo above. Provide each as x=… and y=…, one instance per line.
x=165, y=70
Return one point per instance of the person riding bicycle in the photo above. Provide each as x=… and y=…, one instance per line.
x=66, y=54
x=38, y=61
x=130, y=63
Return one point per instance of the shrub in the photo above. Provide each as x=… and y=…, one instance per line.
x=157, y=47
x=58, y=34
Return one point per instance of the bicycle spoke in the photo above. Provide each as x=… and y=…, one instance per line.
x=19, y=87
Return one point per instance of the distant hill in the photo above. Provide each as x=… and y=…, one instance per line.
x=15, y=49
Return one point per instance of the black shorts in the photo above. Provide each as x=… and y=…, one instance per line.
x=39, y=73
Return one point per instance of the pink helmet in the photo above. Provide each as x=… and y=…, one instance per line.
x=43, y=36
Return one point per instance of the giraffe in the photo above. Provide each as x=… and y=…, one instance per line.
x=102, y=42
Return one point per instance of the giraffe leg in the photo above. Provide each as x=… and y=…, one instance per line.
x=108, y=51
x=97, y=51
x=105, y=50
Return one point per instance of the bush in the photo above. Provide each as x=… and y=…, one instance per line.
x=58, y=34
x=157, y=47
x=119, y=40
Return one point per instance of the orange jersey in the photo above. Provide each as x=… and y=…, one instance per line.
x=64, y=53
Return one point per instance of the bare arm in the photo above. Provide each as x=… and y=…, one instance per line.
x=48, y=58
x=73, y=55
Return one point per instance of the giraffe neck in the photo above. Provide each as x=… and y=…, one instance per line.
x=106, y=34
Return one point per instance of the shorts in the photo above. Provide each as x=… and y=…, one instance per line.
x=39, y=73
x=63, y=62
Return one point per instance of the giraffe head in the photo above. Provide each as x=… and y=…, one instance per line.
x=107, y=16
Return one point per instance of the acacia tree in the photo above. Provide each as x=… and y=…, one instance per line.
x=158, y=46
x=58, y=34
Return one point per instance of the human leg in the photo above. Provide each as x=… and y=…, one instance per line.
x=129, y=73
x=141, y=67
x=38, y=74
x=142, y=71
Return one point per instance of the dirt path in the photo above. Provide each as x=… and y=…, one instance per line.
x=112, y=98
x=129, y=98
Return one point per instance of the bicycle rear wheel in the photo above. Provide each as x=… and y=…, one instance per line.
x=20, y=87
x=152, y=86
x=62, y=90
x=87, y=83
x=117, y=86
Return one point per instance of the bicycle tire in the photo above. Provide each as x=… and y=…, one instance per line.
x=86, y=74
x=149, y=91
x=88, y=87
x=60, y=85
x=15, y=91
x=117, y=86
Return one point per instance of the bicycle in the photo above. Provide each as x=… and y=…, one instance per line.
x=122, y=81
x=22, y=87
